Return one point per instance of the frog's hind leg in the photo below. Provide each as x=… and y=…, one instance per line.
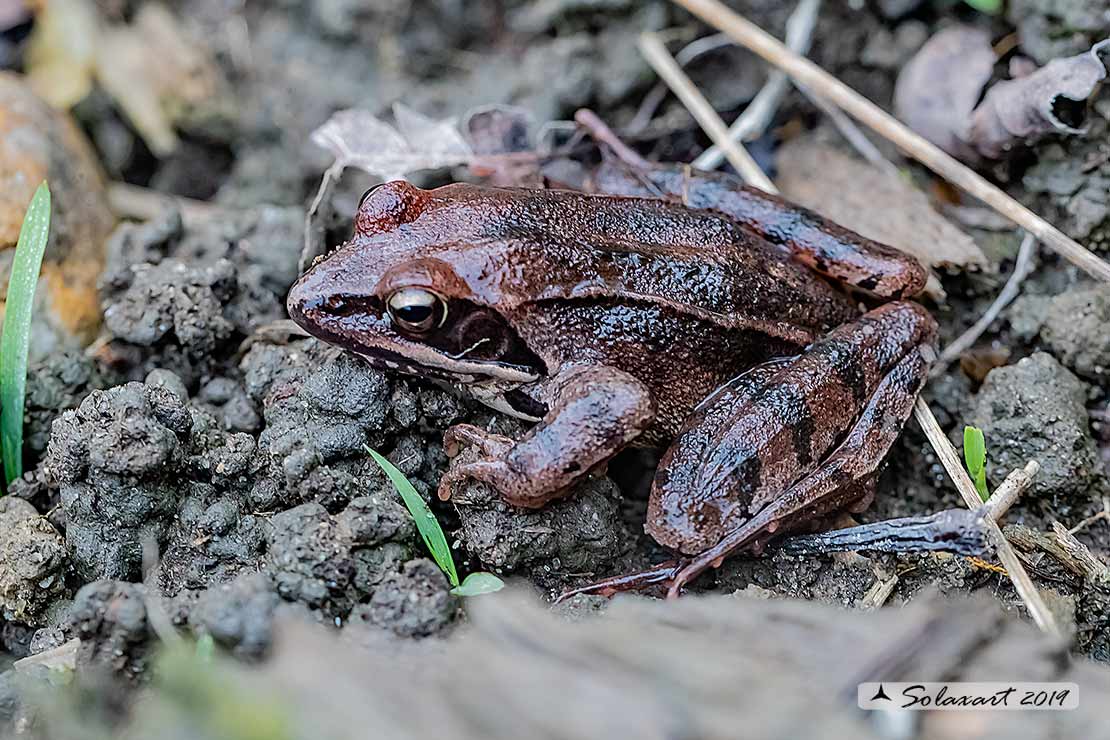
x=842, y=478
x=785, y=445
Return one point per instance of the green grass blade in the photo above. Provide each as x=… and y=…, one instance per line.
x=975, y=457
x=477, y=584
x=990, y=7
x=426, y=522
x=17, y=329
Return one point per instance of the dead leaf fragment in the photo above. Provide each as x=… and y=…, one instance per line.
x=502, y=138
x=939, y=88
x=1052, y=100
x=358, y=138
x=499, y=129
x=62, y=52
x=877, y=204
x=938, y=95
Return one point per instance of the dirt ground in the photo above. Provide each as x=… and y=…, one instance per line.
x=190, y=476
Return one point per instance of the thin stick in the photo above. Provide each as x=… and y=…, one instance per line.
x=747, y=34
x=1022, y=267
x=1023, y=584
x=761, y=111
x=1104, y=514
x=879, y=592
x=659, y=91
x=949, y=458
x=1008, y=492
x=666, y=67
x=132, y=201
x=849, y=130
x=1091, y=566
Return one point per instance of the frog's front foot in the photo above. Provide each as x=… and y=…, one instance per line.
x=468, y=435
x=595, y=411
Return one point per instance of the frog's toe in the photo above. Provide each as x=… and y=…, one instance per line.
x=468, y=435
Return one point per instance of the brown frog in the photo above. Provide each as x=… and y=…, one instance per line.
x=668, y=308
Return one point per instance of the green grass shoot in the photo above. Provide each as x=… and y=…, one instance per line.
x=17, y=329
x=475, y=584
x=975, y=457
x=426, y=522
x=990, y=7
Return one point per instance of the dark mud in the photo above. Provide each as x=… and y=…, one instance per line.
x=194, y=474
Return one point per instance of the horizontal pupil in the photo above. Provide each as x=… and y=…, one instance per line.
x=414, y=314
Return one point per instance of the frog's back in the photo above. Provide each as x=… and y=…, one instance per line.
x=641, y=249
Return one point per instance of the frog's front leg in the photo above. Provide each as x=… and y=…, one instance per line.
x=594, y=411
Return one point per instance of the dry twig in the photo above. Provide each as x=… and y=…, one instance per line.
x=807, y=73
x=1022, y=267
x=144, y=204
x=1023, y=584
x=761, y=111
x=879, y=592
x=1104, y=514
x=666, y=67
x=1092, y=567
x=655, y=97
x=1007, y=494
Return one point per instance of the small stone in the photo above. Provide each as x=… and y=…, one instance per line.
x=1027, y=315
x=1035, y=410
x=170, y=381
x=1076, y=331
x=109, y=617
x=33, y=560
x=239, y=615
x=416, y=602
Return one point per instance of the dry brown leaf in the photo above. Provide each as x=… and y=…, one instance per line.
x=938, y=95
x=879, y=205
x=152, y=68
x=358, y=138
x=939, y=88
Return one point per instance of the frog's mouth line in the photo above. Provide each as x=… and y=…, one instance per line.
x=426, y=362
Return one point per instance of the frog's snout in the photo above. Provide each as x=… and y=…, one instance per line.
x=297, y=302
x=309, y=300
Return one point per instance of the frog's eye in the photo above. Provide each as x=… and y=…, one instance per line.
x=417, y=310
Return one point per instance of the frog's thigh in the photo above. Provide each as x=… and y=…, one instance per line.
x=594, y=413
x=756, y=447
x=835, y=482
x=824, y=245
